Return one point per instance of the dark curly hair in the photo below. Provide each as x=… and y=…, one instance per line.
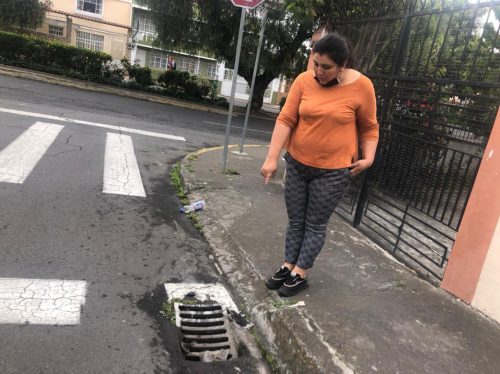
x=336, y=47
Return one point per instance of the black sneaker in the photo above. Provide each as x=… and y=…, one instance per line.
x=278, y=278
x=292, y=285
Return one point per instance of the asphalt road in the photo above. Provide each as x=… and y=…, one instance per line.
x=59, y=225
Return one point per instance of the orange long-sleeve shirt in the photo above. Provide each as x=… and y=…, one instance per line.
x=327, y=121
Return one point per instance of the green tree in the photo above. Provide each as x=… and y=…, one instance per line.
x=348, y=18
x=23, y=13
x=212, y=26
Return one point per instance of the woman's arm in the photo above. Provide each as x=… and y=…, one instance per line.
x=286, y=122
x=368, y=148
x=368, y=130
x=281, y=133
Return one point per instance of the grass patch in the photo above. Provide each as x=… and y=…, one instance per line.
x=231, y=172
x=281, y=303
x=195, y=220
x=168, y=309
x=176, y=178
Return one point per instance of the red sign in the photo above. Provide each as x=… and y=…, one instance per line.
x=249, y=4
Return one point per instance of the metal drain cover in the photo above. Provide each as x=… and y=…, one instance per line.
x=206, y=332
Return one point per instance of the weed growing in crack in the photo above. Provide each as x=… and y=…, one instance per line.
x=231, y=172
x=168, y=308
x=195, y=220
x=278, y=304
x=176, y=178
x=266, y=354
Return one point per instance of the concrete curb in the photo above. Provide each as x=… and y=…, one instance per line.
x=103, y=88
x=285, y=329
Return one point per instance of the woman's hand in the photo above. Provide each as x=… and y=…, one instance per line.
x=269, y=168
x=359, y=166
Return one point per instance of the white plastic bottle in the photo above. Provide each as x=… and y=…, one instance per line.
x=194, y=207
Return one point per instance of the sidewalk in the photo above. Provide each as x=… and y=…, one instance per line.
x=363, y=312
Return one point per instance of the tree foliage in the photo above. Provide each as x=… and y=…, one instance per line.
x=212, y=26
x=329, y=12
x=23, y=13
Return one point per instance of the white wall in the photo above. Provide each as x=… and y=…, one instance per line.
x=241, y=87
x=138, y=54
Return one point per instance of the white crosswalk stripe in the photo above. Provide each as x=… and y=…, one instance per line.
x=41, y=301
x=121, y=171
x=20, y=157
x=94, y=124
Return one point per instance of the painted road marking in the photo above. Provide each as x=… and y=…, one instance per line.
x=94, y=124
x=121, y=172
x=237, y=127
x=41, y=301
x=203, y=292
x=20, y=157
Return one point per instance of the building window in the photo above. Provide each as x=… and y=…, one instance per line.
x=212, y=71
x=228, y=75
x=89, y=41
x=145, y=23
x=158, y=61
x=187, y=64
x=56, y=30
x=91, y=6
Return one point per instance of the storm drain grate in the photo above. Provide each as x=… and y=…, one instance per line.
x=206, y=333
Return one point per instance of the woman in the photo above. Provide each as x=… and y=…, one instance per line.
x=328, y=113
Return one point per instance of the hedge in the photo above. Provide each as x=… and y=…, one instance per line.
x=55, y=57
x=52, y=56
x=194, y=87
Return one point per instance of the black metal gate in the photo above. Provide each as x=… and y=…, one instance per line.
x=436, y=71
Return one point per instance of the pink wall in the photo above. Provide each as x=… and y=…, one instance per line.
x=478, y=226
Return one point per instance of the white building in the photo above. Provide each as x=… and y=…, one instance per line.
x=145, y=54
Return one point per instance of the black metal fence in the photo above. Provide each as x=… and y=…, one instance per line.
x=436, y=71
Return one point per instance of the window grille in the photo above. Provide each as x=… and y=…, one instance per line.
x=186, y=64
x=212, y=71
x=56, y=30
x=146, y=23
x=91, y=6
x=89, y=41
x=158, y=61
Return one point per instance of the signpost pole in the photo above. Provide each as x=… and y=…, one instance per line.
x=233, y=87
x=252, y=86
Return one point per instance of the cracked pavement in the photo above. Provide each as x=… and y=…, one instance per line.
x=39, y=301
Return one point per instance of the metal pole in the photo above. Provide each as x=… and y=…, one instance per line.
x=233, y=87
x=252, y=86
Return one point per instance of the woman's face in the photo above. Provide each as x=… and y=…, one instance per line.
x=325, y=69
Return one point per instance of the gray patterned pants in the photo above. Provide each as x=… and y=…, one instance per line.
x=311, y=195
